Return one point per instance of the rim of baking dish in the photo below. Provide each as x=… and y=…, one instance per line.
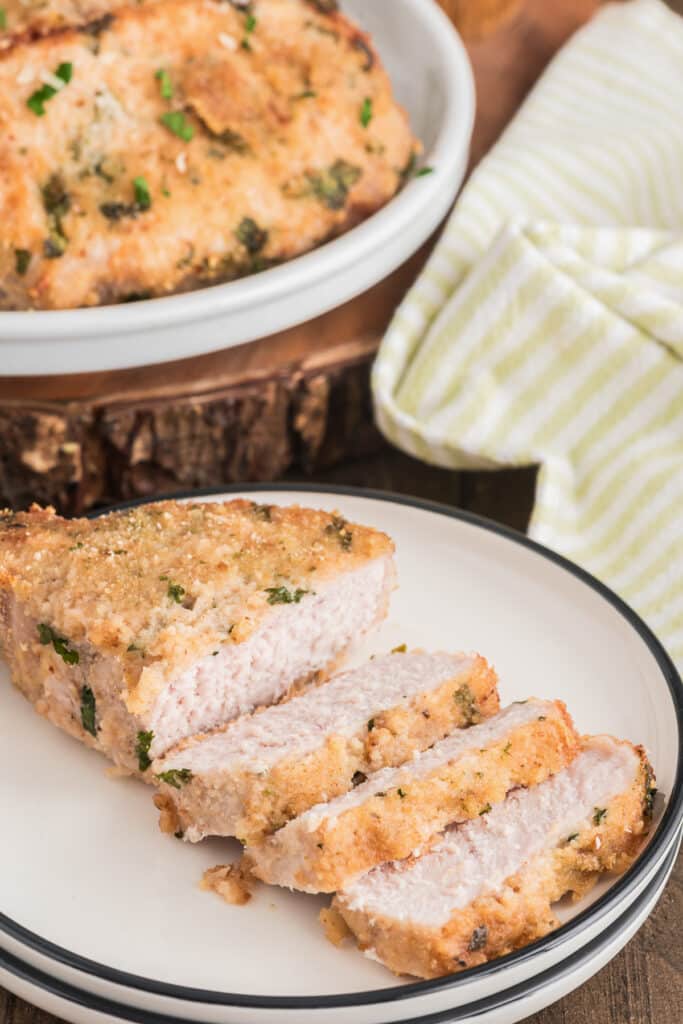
x=656, y=850
x=314, y=267
x=478, y=1008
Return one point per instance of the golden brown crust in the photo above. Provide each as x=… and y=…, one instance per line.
x=160, y=585
x=268, y=153
x=229, y=881
x=390, y=825
x=294, y=784
x=520, y=911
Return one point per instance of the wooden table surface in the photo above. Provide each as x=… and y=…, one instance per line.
x=644, y=983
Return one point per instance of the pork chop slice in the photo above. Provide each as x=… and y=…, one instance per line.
x=250, y=777
x=487, y=886
x=398, y=810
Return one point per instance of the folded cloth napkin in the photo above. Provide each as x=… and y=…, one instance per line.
x=547, y=327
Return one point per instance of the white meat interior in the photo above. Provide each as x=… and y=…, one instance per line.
x=477, y=856
x=293, y=641
x=341, y=707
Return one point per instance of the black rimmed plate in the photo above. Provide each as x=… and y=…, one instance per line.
x=507, y=1007
x=91, y=893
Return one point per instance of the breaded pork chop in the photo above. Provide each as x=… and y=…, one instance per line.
x=26, y=19
x=487, y=887
x=187, y=142
x=400, y=809
x=253, y=775
x=138, y=628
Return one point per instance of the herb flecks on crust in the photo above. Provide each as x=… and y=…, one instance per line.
x=165, y=150
x=61, y=645
x=37, y=100
x=142, y=748
x=56, y=203
x=88, y=710
x=282, y=595
x=332, y=186
x=176, y=777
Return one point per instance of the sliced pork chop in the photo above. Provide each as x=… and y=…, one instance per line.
x=252, y=776
x=138, y=628
x=398, y=809
x=487, y=887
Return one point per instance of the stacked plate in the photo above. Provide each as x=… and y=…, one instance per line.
x=101, y=916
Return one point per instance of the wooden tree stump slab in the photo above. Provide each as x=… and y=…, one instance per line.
x=296, y=400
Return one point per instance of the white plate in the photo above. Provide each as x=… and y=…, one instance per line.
x=97, y=894
x=80, y=1007
x=432, y=78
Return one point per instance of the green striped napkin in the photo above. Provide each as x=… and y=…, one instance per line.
x=547, y=326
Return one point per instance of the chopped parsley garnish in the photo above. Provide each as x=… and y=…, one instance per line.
x=371, y=724
x=22, y=258
x=252, y=237
x=262, y=512
x=307, y=94
x=175, y=592
x=401, y=793
x=424, y=171
x=143, y=199
x=76, y=546
x=3, y=18
x=366, y=112
x=142, y=747
x=485, y=809
x=117, y=210
x=507, y=747
x=177, y=124
x=176, y=777
x=47, y=636
x=37, y=100
x=572, y=837
x=56, y=202
x=281, y=595
x=165, y=84
x=250, y=23
x=600, y=813
x=464, y=698
x=331, y=186
x=478, y=939
x=88, y=708
x=339, y=527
